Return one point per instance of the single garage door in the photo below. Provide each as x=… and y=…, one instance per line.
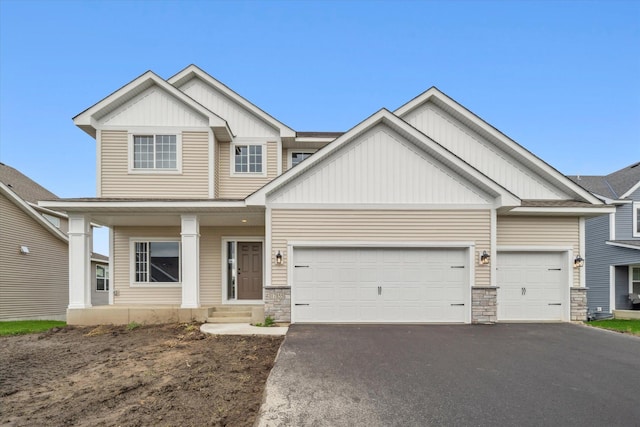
x=380, y=285
x=532, y=286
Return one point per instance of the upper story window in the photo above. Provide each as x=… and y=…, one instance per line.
x=636, y=219
x=297, y=156
x=52, y=219
x=155, y=152
x=248, y=158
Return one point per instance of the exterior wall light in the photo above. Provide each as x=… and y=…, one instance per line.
x=578, y=262
x=485, y=258
x=24, y=250
x=279, y=258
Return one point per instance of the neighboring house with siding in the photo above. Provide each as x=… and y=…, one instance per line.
x=217, y=211
x=34, y=253
x=613, y=241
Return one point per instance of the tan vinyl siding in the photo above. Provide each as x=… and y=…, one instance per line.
x=116, y=181
x=210, y=264
x=211, y=259
x=380, y=225
x=239, y=187
x=128, y=294
x=35, y=285
x=541, y=231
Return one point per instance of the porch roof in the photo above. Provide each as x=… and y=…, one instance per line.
x=160, y=212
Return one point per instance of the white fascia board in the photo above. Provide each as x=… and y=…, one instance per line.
x=503, y=196
x=195, y=71
x=622, y=245
x=48, y=211
x=553, y=174
x=563, y=210
x=24, y=206
x=91, y=205
x=630, y=191
x=89, y=118
x=311, y=139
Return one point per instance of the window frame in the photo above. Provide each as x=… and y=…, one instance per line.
x=232, y=158
x=155, y=132
x=132, y=263
x=105, y=277
x=291, y=152
x=631, y=281
x=635, y=218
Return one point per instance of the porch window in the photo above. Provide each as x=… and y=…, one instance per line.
x=634, y=280
x=155, y=152
x=157, y=262
x=102, y=278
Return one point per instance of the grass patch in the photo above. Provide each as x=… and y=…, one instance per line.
x=21, y=327
x=620, y=325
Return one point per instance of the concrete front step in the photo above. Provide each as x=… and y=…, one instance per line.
x=238, y=313
x=241, y=319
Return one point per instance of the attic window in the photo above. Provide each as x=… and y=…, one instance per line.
x=155, y=152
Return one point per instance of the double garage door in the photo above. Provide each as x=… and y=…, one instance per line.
x=380, y=285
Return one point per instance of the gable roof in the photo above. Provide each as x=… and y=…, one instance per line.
x=494, y=135
x=617, y=185
x=23, y=186
x=193, y=71
x=30, y=211
x=506, y=198
x=88, y=119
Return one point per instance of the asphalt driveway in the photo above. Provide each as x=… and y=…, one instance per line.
x=493, y=375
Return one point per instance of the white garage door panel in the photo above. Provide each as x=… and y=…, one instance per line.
x=532, y=286
x=380, y=285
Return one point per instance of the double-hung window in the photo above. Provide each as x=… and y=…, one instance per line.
x=155, y=152
x=156, y=261
x=102, y=278
x=248, y=158
x=634, y=279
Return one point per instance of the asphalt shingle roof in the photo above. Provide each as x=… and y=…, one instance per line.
x=26, y=188
x=612, y=186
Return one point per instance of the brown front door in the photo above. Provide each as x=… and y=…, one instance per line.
x=249, y=270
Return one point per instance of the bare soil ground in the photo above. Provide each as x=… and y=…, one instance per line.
x=169, y=375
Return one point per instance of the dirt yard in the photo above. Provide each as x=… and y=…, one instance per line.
x=171, y=375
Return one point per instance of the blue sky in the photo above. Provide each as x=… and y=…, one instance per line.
x=562, y=78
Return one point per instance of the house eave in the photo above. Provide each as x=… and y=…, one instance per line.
x=622, y=245
x=560, y=211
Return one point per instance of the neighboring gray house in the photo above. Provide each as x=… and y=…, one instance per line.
x=613, y=241
x=34, y=253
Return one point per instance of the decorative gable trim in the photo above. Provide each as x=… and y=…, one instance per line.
x=193, y=71
x=536, y=164
x=89, y=119
x=501, y=195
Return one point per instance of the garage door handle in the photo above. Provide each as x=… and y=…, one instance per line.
x=458, y=304
x=555, y=303
x=554, y=269
x=457, y=266
x=301, y=304
x=301, y=266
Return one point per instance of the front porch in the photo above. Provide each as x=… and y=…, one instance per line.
x=159, y=314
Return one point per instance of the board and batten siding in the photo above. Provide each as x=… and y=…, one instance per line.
x=117, y=181
x=121, y=276
x=540, y=231
x=35, y=285
x=237, y=186
x=481, y=153
x=379, y=226
x=240, y=120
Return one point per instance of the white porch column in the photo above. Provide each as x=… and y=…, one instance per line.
x=79, y=261
x=190, y=261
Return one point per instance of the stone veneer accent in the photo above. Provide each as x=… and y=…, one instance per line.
x=578, y=304
x=484, y=307
x=277, y=303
